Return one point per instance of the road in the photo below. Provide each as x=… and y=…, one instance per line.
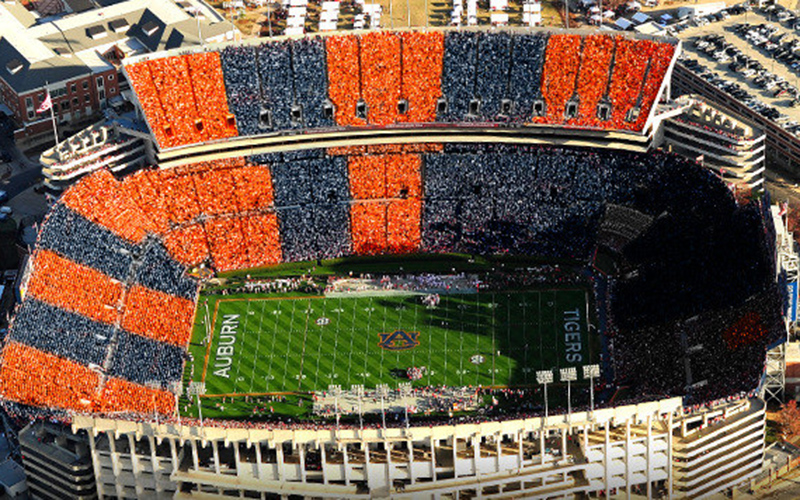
x=25, y=173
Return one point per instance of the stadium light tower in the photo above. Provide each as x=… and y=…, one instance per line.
x=591, y=372
x=177, y=389
x=336, y=390
x=359, y=390
x=405, y=390
x=545, y=377
x=383, y=391
x=569, y=375
x=196, y=389
x=155, y=385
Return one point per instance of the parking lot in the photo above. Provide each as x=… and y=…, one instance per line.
x=752, y=56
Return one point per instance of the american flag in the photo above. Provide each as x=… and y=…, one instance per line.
x=46, y=104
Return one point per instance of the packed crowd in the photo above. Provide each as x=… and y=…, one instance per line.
x=494, y=53
x=562, y=65
x=288, y=84
x=380, y=60
x=145, y=361
x=421, y=80
x=158, y=271
x=143, y=314
x=74, y=237
x=60, y=332
x=593, y=78
x=80, y=289
x=525, y=78
x=478, y=199
x=184, y=98
x=386, y=210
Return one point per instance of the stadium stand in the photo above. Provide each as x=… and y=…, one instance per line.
x=33, y=377
x=387, y=78
x=527, y=61
x=126, y=308
x=158, y=271
x=63, y=333
x=144, y=361
x=185, y=97
x=80, y=289
x=422, y=80
x=79, y=240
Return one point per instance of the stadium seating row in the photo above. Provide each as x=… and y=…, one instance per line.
x=36, y=378
x=184, y=98
x=387, y=78
x=132, y=305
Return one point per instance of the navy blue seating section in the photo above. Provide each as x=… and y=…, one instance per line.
x=242, y=86
x=458, y=74
x=275, y=75
x=311, y=80
x=159, y=271
x=80, y=240
x=61, y=332
x=143, y=361
x=527, y=61
x=492, y=83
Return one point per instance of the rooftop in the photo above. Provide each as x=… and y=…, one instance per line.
x=35, y=51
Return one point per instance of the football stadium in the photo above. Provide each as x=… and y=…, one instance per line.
x=406, y=264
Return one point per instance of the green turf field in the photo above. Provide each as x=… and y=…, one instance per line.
x=283, y=344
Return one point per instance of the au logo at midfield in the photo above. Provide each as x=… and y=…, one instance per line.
x=398, y=340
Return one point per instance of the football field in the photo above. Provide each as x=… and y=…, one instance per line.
x=265, y=345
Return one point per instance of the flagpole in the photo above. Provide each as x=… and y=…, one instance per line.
x=53, y=118
x=52, y=115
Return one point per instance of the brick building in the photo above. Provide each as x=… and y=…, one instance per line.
x=75, y=54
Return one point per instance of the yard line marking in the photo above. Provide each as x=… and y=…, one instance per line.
x=319, y=346
x=494, y=340
x=258, y=346
x=477, y=337
x=235, y=378
x=300, y=377
x=508, y=337
x=272, y=348
x=339, y=311
x=289, y=345
x=370, y=309
x=352, y=339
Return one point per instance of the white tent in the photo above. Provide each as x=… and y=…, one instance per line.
x=609, y=14
x=634, y=5
x=595, y=10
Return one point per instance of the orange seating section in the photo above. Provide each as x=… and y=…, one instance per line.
x=423, y=54
x=380, y=74
x=209, y=91
x=659, y=64
x=630, y=64
x=74, y=287
x=123, y=396
x=33, y=377
x=184, y=98
x=144, y=315
x=560, y=74
x=593, y=77
x=344, y=78
x=187, y=244
x=100, y=199
x=386, y=210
